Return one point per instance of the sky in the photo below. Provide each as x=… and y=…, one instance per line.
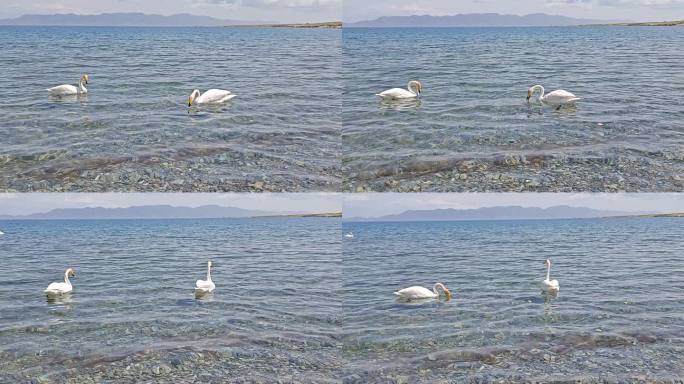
x=28, y=203
x=283, y=11
x=287, y=11
x=375, y=205
x=354, y=205
x=632, y=10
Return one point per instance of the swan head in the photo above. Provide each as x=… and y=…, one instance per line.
x=209, y=263
x=70, y=272
x=195, y=94
x=547, y=263
x=446, y=290
x=84, y=78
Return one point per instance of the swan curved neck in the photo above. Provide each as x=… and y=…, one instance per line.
x=548, y=271
x=66, y=278
x=208, y=272
x=412, y=87
x=437, y=285
x=81, y=85
x=541, y=90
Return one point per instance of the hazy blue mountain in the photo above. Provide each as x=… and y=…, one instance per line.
x=497, y=213
x=147, y=212
x=475, y=20
x=125, y=19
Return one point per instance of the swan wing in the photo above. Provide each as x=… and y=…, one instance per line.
x=415, y=293
x=397, y=93
x=560, y=97
x=58, y=288
x=215, y=96
x=64, y=89
x=204, y=285
x=550, y=285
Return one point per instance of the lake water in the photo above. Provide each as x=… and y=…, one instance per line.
x=133, y=131
x=619, y=314
x=474, y=131
x=133, y=316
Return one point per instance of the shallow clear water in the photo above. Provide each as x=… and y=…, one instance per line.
x=619, y=313
x=133, y=315
x=474, y=131
x=133, y=131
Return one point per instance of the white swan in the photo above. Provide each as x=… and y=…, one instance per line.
x=414, y=89
x=210, y=96
x=207, y=285
x=549, y=285
x=414, y=293
x=349, y=235
x=65, y=287
x=2, y=233
x=69, y=90
x=557, y=98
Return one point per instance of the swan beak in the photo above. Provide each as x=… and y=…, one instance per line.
x=529, y=94
x=189, y=101
x=447, y=293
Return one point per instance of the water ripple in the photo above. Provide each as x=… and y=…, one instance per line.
x=624, y=135
x=140, y=79
x=133, y=312
x=618, y=314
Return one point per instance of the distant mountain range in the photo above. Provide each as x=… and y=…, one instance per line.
x=126, y=20
x=148, y=212
x=476, y=20
x=498, y=213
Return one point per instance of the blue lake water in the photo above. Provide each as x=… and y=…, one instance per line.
x=474, y=131
x=619, y=314
x=133, y=316
x=134, y=132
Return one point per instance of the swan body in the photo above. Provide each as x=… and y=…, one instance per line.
x=413, y=90
x=416, y=292
x=556, y=98
x=65, y=287
x=2, y=233
x=210, y=96
x=205, y=285
x=70, y=90
x=349, y=235
x=549, y=285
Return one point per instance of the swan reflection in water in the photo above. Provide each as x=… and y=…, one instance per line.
x=535, y=110
x=399, y=104
x=68, y=99
x=60, y=299
x=206, y=297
